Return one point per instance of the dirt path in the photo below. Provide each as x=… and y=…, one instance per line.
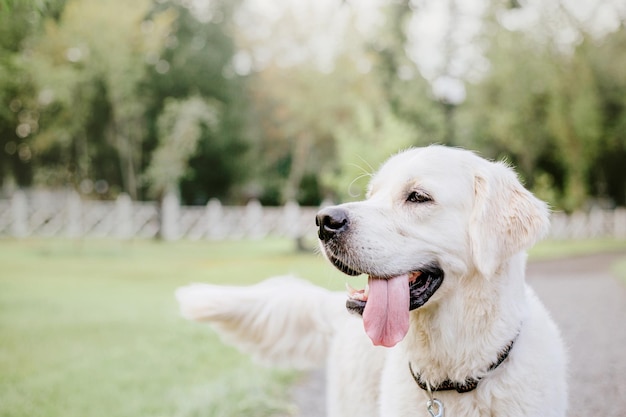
x=589, y=304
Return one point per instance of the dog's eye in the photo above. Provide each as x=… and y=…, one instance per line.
x=418, y=197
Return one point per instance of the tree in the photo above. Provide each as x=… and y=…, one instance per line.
x=197, y=63
x=312, y=108
x=180, y=127
x=95, y=81
x=607, y=62
x=506, y=113
x=542, y=106
x=574, y=120
x=297, y=110
x=405, y=89
x=90, y=59
x=19, y=118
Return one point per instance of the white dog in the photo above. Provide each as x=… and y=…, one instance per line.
x=448, y=323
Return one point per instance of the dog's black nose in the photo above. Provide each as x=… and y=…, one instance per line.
x=331, y=221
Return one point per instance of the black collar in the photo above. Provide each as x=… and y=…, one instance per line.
x=469, y=384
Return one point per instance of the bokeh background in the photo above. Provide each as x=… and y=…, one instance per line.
x=292, y=99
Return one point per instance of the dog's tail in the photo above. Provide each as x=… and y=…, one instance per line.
x=282, y=321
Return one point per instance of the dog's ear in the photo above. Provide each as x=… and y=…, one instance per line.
x=506, y=218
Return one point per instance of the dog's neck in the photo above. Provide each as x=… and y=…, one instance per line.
x=443, y=344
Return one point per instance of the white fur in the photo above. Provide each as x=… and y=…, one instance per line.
x=477, y=229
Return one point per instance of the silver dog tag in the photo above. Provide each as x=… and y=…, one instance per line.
x=435, y=407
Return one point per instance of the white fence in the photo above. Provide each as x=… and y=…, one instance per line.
x=45, y=214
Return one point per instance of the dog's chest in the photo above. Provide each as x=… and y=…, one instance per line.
x=400, y=396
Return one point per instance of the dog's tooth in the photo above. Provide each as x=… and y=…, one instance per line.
x=357, y=294
x=414, y=275
x=366, y=292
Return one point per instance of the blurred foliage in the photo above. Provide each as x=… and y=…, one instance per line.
x=179, y=127
x=547, y=111
x=196, y=61
x=141, y=97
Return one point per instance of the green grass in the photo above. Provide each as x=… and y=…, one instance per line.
x=91, y=328
x=554, y=249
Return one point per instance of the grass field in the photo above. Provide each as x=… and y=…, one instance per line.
x=90, y=328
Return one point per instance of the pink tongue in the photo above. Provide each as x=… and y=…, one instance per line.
x=386, y=314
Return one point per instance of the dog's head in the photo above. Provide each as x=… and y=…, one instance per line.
x=429, y=213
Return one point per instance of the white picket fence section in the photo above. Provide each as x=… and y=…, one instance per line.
x=48, y=214
x=65, y=214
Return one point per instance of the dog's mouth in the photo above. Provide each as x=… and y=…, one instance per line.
x=386, y=301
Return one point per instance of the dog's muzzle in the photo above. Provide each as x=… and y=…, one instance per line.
x=390, y=295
